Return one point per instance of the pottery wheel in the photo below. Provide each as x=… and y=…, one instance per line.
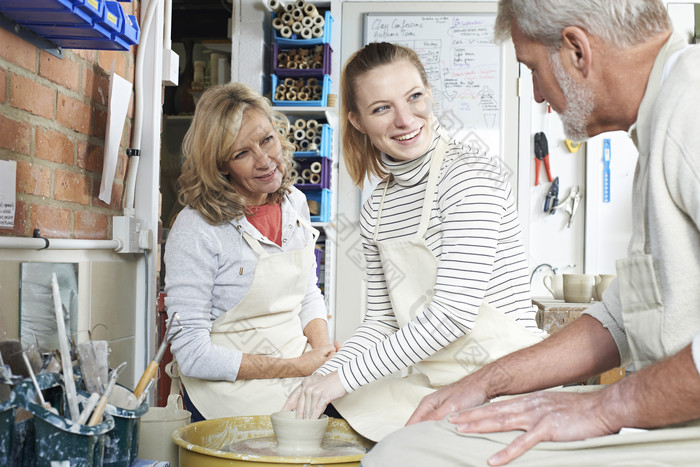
x=267, y=446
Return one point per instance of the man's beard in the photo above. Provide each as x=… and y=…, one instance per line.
x=579, y=102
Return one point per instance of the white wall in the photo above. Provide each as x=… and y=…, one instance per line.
x=597, y=235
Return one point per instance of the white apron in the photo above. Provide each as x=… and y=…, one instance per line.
x=640, y=295
x=265, y=322
x=385, y=405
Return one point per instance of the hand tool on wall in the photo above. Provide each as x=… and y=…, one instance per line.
x=606, y=170
x=552, y=198
x=571, y=203
x=541, y=154
x=150, y=371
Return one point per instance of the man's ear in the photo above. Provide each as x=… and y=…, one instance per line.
x=576, y=49
x=354, y=119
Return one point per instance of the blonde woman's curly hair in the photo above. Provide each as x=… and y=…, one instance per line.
x=206, y=148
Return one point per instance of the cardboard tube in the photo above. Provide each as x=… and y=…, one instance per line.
x=286, y=32
x=316, y=167
x=277, y=23
x=310, y=10
x=317, y=31
x=275, y=6
x=315, y=179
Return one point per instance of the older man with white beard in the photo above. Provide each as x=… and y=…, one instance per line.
x=603, y=65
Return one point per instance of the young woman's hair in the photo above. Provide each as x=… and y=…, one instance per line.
x=361, y=157
x=206, y=148
x=621, y=23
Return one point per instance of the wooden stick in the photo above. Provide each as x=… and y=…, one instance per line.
x=66, y=362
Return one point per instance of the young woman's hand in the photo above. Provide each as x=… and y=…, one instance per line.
x=314, y=393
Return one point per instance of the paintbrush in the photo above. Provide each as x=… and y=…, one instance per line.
x=97, y=414
x=150, y=371
x=39, y=394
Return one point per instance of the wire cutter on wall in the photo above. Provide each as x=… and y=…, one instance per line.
x=541, y=154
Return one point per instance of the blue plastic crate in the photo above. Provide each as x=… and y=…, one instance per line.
x=53, y=12
x=295, y=72
x=323, y=197
x=324, y=149
x=296, y=42
x=318, y=253
x=323, y=102
x=324, y=176
x=76, y=24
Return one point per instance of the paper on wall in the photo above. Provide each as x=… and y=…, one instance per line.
x=8, y=193
x=119, y=95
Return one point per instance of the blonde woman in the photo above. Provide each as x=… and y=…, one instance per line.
x=240, y=269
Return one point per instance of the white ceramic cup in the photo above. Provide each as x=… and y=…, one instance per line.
x=578, y=288
x=300, y=436
x=555, y=284
x=602, y=282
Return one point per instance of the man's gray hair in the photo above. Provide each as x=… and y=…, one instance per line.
x=621, y=23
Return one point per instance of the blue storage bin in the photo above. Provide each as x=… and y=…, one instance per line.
x=323, y=197
x=323, y=102
x=318, y=253
x=324, y=179
x=295, y=42
x=295, y=72
x=55, y=12
x=324, y=149
x=76, y=24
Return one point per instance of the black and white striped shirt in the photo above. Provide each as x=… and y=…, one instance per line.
x=474, y=233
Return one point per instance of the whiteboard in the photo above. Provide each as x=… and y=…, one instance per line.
x=464, y=68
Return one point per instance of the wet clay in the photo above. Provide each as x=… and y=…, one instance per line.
x=267, y=446
x=298, y=435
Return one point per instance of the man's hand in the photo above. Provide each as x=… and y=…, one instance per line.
x=453, y=398
x=314, y=393
x=544, y=416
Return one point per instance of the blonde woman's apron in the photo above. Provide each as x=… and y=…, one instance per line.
x=383, y=406
x=265, y=322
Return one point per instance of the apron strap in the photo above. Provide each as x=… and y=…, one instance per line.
x=173, y=371
x=433, y=173
x=381, y=205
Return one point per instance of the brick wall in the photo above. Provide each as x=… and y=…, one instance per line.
x=53, y=116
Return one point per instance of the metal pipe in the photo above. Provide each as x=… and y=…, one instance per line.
x=27, y=243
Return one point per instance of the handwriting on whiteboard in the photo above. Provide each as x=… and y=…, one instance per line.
x=463, y=66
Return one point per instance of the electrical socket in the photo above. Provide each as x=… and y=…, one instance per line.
x=171, y=67
x=126, y=230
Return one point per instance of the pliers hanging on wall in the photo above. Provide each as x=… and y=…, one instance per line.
x=541, y=154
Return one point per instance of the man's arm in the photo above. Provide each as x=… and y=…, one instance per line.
x=659, y=395
x=580, y=350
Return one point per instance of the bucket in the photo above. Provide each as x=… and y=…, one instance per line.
x=122, y=441
x=206, y=444
x=157, y=425
x=7, y=428
x=55, y=439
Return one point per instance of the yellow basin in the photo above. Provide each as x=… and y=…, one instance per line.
x=200, y=444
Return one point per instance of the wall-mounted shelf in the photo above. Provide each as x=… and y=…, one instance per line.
x=30, y=36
